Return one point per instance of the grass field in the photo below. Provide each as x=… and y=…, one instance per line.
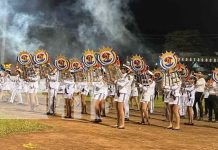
x=9, y=126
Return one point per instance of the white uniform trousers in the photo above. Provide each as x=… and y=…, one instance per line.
x=152, y=104
x=126, y=105
x=14, y=93
x=52, y=95
x=182, y=110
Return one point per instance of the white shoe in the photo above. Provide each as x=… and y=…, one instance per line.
x=121, y=127
x=115, y=126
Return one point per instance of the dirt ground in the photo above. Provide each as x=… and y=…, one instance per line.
x=83, y=134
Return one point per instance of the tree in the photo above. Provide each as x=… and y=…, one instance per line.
x=184, y=41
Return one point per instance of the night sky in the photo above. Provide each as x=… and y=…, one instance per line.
x=156, y=18
x=163, y=16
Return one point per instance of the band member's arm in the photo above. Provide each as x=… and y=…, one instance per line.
x=122, y=82
x=68, y=82
x=190, y=88
x=175, y=87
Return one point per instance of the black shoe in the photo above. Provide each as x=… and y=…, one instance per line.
x=126, y=119
x=20, y=104
x=48, y=113
x=182, y=117
x=97, y=120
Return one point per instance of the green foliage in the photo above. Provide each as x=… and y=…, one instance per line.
x=184, y=41
x=159, y=103
x=9, y=126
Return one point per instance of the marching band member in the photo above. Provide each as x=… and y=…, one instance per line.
x=212, y=100
x=25, y=90
x=199, y=88
x=129, y=87
x=183, y=97
x=70, y=87
x=189, y=101
x=174, y=102
x=105, y=89
x=38, y=77
x=6, y=87
x=152, y=92
x=52, y=90
x=2, y=80
x=99, y=94
x=147, y=87
x=33, y=88
x=121, y=97
x=166, y=93
x=16, y=87
x=84, y=93
x=206, y=95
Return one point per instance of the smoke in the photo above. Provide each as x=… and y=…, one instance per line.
x=68, y=27
x=16, y=31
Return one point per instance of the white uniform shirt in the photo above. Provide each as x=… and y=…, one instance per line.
x=53, y=81
x=111, y=89
x=99, y=87
x=105, y=89
x=34, y=82
x=213, y=89
x=84, y=87
x=16, y=82
x=25, y=86
x=129, y=85
x=7, y=82
x=69, y=86
x=146, y=93
x=200, y=85
x=122, y=84
x=176, y=89
x=206, y=92
x=2, y=80
x=190, y=91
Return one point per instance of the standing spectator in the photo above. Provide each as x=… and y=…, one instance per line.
x=199, y=88
x=212, y=100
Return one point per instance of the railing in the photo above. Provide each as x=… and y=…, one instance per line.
x=199, y=59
